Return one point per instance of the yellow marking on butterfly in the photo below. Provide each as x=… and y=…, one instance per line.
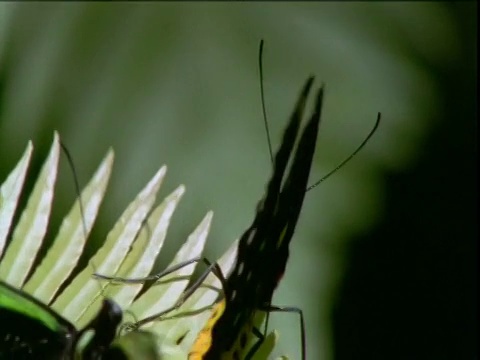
x=204, y=339
x=282, y=236
x=241, y=343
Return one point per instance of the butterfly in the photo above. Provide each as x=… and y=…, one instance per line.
x=32, y=330
x=263, y=249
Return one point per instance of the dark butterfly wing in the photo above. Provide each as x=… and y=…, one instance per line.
x=263, y=248
x=290, y=201
x=30, y=329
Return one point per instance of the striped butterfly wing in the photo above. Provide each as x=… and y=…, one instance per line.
x=263, y=248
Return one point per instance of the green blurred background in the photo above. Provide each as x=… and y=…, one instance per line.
x=379, y=246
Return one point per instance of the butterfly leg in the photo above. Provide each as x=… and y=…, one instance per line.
x=256, y=346
x=154, y=277
x=261, y=337
x=212, y=268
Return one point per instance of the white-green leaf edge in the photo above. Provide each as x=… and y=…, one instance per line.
x=130, y=250
x=10, y=193
x=32, y=226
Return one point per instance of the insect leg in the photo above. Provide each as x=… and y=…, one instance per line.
x=158, y=276
x=212, y=268
x=261, y=337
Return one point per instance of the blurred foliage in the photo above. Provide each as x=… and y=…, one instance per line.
x=177, y=84
x=410, y=284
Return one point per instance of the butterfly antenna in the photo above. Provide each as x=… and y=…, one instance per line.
x=262, y=95
x=339, y=166
x=77, y=185
x=77, y=190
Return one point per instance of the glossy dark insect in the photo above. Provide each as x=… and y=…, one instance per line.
x=264, y=248
x=32, y=330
